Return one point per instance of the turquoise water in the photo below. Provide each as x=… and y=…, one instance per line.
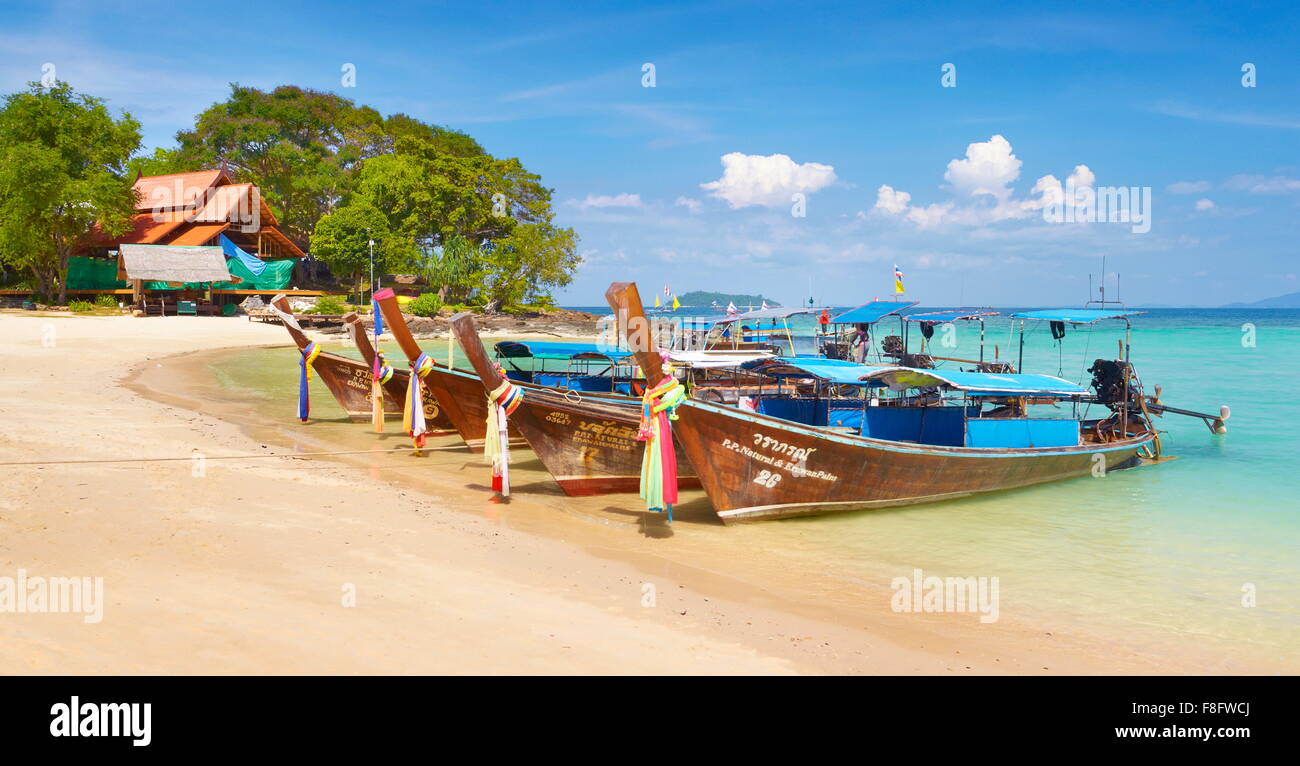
x=1155, y=557
x=1161, y=554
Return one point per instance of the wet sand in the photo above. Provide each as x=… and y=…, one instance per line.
x=246, y=568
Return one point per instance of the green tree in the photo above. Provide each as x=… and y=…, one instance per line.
x=300, y=146
x=433, y=197
x=445, y=202
x=63, y=170
x=522, y=266
x=342, y=242
x=455, y=269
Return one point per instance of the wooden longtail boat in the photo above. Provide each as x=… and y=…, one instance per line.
x=754, y=466
x=435, y=419
x=459, y=394
x=346, y=378
x=586, y=440
x=349, y=379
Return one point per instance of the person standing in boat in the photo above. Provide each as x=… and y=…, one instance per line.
x=861, y=340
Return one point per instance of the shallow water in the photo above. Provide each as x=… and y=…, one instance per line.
x=1154, y=557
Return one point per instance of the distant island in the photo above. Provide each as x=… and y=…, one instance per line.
x=702, y=298
x=1288, y=301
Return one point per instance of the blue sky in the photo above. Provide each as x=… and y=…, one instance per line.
x=690, y=183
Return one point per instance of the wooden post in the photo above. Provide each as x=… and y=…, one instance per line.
x=626, y=302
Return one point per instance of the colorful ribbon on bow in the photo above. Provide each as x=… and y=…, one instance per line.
x=659, y=464
x=413, y=412
x=380, y=373
x=309, y=355
x=502, y=403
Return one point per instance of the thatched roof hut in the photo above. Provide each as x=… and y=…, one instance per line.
x=172, y=263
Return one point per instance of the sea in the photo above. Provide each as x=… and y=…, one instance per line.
x=1200, y=552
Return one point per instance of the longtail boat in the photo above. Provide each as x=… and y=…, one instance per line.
x=346, y=378
x=459, y=394
x=436, y=420
x=349, y=380
x=586, y=440
x=924, y=448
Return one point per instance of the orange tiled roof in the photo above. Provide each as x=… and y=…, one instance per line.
x=234, y=204
x=177, y=189
x=144, y=231
x=199, y=234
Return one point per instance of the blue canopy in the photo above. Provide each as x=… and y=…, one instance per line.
x=830, y=370
x=252, y=262
x=557, y=350
x=951, y=315
x=977, y=383
x=1075, y=316
x=872, y=312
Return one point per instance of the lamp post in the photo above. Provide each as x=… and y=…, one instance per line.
x=372, y=264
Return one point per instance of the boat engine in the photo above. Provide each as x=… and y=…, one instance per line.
x=1108, y=380
x=1117, y=386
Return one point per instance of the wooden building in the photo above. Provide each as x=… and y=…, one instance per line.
x=191, y=209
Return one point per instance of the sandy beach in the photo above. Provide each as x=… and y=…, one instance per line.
x=249, y=566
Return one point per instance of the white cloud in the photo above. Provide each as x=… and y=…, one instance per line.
x=1263, y=184
x=988, y=168
x=768, y=181
x=1189, y=187
x=692, y=205
x=982, y=181
x=601, y=200
x=1204, y=204
x=891, y=201
x=930, y=215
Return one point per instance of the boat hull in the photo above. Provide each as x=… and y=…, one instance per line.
x=588, y=443
x=464, y=403
x=754, y=467
x=349, y=381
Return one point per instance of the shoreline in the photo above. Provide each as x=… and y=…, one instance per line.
x=455, y=583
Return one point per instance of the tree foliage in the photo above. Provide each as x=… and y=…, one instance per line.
x=521, y=265
x=336, y=174
x=63, y=171
x=342, y=240
x=299, y=146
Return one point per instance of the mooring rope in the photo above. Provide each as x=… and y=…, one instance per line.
x=230, y=457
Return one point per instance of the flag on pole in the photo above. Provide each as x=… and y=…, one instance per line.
x=666, y=291
x=898, y=280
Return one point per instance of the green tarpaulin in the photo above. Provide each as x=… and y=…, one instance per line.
x=93, y=274
x=275, y=276
x=101, y=274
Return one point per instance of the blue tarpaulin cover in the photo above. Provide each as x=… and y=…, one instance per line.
x=953, y=315
x=872, y=312
x=254, y=264
x=901, y=378
x=555, y=350
x=1076, y=316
